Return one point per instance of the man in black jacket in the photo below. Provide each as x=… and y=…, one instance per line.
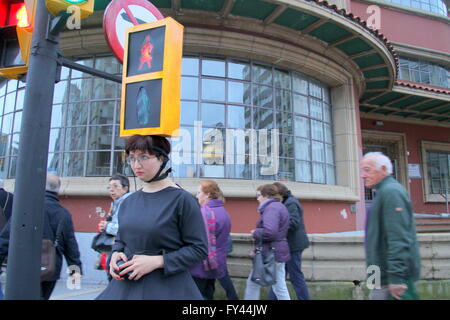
x=297, y=240
x=67, y=243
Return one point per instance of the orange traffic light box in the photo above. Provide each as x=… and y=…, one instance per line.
x=151, y=79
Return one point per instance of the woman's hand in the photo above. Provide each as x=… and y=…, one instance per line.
x=141, y=265
x=116, y=256
x=101, y=225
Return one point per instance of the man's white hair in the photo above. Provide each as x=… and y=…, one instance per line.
x=380, y=160
x=53, y=183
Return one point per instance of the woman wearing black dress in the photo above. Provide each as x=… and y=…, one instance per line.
x=161, y=233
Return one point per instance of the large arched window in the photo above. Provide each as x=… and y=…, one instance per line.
x=239, y=120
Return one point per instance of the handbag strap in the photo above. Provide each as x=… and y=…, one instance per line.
x=58, y=232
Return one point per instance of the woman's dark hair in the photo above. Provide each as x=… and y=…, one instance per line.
x=268, y=191
x=282, y=189
x=123, y=180
x=154, y=145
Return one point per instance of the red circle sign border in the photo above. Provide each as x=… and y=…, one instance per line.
x=109, y=22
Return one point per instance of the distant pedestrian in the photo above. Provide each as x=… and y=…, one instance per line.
x=272, y=228
x=55, y=215
x=119, y=189
x=161, y=231
x=390, y=241
x=297, y=240
x=218, y=227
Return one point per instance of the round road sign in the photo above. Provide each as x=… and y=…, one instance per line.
x=122, y=14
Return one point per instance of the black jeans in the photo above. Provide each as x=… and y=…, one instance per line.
x=206, y=287
x=47, y=289
x=228, y=286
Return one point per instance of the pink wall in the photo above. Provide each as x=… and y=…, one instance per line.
x=408, y=28
x=414, y=135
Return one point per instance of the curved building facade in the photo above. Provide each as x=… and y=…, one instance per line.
x=286, y=90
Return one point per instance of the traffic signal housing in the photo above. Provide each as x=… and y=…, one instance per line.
x=16, y=31
x=57, y=6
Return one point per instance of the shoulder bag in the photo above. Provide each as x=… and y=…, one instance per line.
x=264, y=268
x=48, y=255
x=103, y=242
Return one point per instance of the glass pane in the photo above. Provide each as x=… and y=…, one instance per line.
x=85, y=62
x=239, y=70
x=328, y=133
x=12, y=167
x=283, y=100
x=182, y=170
x=10, y=101
x=107, y=64
x=102, y=112
x=239, y=117
x=286, y=170
x=286, y=146
x=2, y=87
x=213, y=115
x=76, y=114
x=7, y=123
x=4, y=166
x=262, y=74
x=2, y=101
x=302, y=149
x=284, y=122
x=56, y=140
x=17, y=121
x=4, y=144
x=213, y=151
x=12, y=85
x=262, y=96
x=100, y=138
x=120, y=165
x=185, y=142
x=315, y=90
x=302, y=127
x=75, y=138
x=301, y=104
x=189, y=88
x=329, y=155
x=54, y=162
x=64, y=73
x=61, y=92
x=318, y=151
x=326, y=113
x=188, y=112
x=189, y=66
x=213, y=68
x=15, y=144
x=213, y=90
x=302, y=171
x=239, y=92
x=239, y=171
x=212, y=171
x=317, y=130
x=20, y=99
x=316, y=109
x=80, y=90
x=300, y=84
x=262, y=118
x=105, y=89
x=73, y=164
x=118, y=141
x=98, y=163
x=318, y=173
x=282, y=79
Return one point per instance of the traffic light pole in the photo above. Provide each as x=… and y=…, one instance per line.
x=24, y=258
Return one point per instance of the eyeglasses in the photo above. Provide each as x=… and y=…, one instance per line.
x=258, y=194
x=141, y=159
x=114, y=186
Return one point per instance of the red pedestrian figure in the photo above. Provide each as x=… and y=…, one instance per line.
x=146, y=53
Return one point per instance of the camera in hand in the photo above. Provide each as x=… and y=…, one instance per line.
x=126, y=275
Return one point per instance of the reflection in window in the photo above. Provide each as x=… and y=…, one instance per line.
x=438, y=164
x=424, y=72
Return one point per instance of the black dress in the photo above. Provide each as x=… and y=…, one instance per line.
x=168, y=223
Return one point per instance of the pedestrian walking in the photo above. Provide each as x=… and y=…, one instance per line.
x=119, y=189
x=390, y=239
x=161, y=231
x=57, y=224
x=297, y=240
x=218, y=227
x=271, y=228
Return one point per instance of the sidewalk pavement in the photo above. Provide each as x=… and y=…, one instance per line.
x=87, y=291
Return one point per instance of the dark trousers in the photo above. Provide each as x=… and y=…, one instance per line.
x=294, y=269
x=47, y=289
x=228, y=286
x=206, y=287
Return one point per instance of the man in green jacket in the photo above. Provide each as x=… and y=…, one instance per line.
x=392, y=251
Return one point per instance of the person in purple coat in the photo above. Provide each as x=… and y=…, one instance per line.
x=218, y=227
x=272, y=228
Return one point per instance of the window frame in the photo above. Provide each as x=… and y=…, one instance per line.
x=427, y=146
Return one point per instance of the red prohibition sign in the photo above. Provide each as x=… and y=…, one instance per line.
x=122, y=14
